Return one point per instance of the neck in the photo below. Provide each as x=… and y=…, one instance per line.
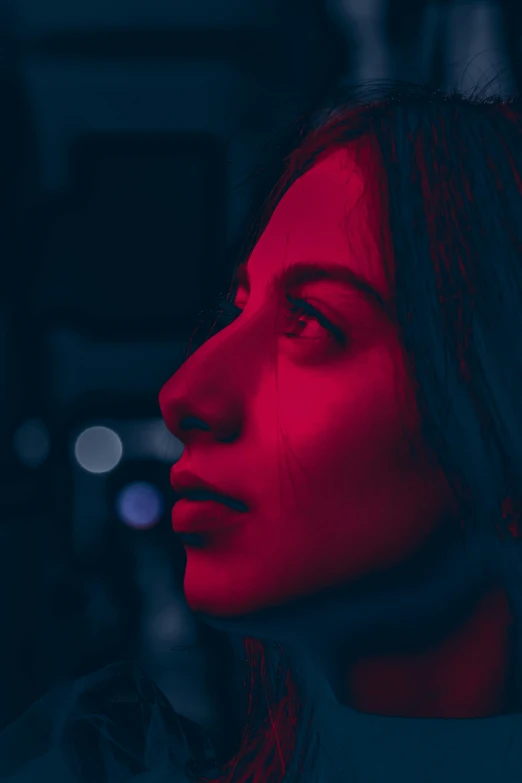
x=463, y=675
x=428, y=639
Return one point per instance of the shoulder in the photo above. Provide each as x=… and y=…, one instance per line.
x=111, y=725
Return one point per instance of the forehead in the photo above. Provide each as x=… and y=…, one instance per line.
x=330, y=214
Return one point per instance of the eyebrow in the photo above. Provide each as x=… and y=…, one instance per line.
x=311, y=271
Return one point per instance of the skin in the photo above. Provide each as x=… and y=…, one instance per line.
x=316, y=437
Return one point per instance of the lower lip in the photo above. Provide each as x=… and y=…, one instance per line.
x=203, y=516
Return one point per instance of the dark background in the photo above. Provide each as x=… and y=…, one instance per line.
x=136, y=142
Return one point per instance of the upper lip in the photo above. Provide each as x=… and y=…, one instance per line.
x=186, y=483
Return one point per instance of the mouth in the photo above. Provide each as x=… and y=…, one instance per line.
x=206, y=495
x=201, y=514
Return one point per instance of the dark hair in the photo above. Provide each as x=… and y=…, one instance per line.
x=451, y=168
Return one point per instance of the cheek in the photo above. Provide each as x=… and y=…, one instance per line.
x=350, y=415
x=355, y=455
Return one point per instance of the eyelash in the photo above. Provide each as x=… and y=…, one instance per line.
x=226, y=313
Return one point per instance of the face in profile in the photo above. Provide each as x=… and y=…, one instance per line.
x=310, y=408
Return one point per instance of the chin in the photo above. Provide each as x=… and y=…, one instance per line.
x=206, y=597
x=206, y=601
x=218, y=586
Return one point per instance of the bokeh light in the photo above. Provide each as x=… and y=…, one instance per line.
x=32, y=443
x=98, y=449
x=139, y=505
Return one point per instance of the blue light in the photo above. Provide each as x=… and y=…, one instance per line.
x=140, y=505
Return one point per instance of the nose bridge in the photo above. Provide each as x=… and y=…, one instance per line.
x=213, y=383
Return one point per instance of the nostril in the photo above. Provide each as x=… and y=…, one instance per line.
x=192, y=423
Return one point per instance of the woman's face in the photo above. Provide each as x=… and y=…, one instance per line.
x=311, y=429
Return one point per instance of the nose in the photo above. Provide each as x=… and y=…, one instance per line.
x=202, y=399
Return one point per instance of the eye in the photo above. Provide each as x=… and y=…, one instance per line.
x=305, y=312
x=298, y=310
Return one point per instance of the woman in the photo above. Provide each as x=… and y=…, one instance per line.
x=356, y=433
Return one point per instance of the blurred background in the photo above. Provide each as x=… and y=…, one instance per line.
x=136, y=144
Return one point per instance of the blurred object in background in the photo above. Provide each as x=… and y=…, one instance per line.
x=451, y=43
x=123, y=486
x=477, y=46
x=363, y=24
x=388, y=39
x=169, y=643
x=135, y=241
x=22, y=499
